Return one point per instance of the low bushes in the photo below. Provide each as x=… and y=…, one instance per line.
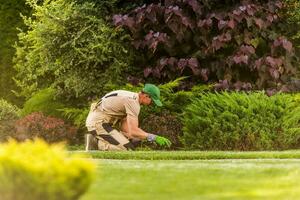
x=239, y=121
x=35, y=171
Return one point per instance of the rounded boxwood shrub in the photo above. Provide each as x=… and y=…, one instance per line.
x=8, y=111
x=237, y=121
x=36, y=170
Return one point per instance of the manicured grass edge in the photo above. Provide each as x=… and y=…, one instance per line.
x=190, y=155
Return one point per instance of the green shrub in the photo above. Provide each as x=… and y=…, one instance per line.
x=70, y=46
x=291, y=121
x=35, y=171
x=76, y=115
x=237, y=121
x=44, y=101
x=8, y=111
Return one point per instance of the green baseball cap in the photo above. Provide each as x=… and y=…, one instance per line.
x=154, y=93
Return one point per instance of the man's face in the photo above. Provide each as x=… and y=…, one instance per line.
x=146, y=99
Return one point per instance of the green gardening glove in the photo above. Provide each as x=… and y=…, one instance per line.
x=162, y=141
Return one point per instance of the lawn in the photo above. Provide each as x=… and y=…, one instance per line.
x=143, y=177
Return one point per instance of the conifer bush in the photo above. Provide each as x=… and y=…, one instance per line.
x=239, y=121
x=291, y=122
x=70, y=46
x=36, y=170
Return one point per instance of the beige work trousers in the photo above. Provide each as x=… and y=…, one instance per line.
x=108, y=138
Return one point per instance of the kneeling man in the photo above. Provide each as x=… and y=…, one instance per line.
x=121, y=108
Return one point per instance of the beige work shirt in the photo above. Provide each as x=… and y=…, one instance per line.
x=116, y=107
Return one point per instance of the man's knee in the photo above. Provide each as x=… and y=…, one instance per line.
x=103, y=145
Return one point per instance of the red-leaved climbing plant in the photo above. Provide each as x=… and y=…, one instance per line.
x=237, y=47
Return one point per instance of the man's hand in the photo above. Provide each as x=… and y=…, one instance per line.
x=162, y=141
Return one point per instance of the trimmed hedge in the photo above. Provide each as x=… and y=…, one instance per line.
x=35, y=171
x=240, y=121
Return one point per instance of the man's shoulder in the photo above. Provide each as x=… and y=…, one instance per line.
x=128, y=94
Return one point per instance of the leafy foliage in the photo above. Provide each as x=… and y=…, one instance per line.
x=238, y=121
x=70, y=46
x=44, y=101
x=8, y=111
x=76, y=115
x=50, y=129
x=236, y=46
x=47, y=172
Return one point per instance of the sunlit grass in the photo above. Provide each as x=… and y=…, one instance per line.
x=275, y=179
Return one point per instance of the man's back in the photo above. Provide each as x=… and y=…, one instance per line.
x=121, y=103
x=116, y=104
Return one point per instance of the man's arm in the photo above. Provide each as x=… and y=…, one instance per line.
x=133, y=128
x=135, y=132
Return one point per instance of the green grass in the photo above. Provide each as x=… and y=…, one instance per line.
x=195, y=175
x=275, y=179
x=192, y=155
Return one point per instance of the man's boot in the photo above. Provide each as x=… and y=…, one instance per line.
x=91, y=142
